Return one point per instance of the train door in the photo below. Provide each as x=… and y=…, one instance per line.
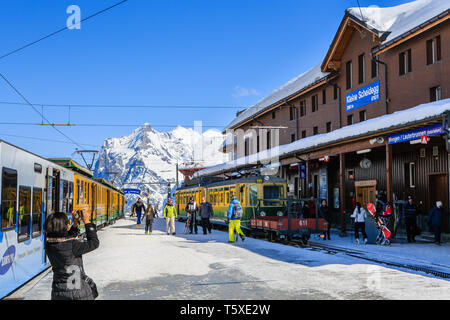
x=108, y=205
x=94, y=203
x=53, y=191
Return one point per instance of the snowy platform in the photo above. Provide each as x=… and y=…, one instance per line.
x=131, y=265
x=420, y=252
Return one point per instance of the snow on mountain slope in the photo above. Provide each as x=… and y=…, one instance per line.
x=146, y=155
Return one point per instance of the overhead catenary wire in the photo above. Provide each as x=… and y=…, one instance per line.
x=120, y=106
x=45, y=139
x=284, y=127
x=61, y=30
x=37, y=111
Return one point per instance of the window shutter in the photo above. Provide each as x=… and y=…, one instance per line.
x=429, y=52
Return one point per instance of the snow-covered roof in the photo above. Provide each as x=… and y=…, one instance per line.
x=397, y=119
x=400, y=19
x=290, y=88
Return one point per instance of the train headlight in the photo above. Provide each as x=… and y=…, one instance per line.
x=280, y=213
x=262, y=214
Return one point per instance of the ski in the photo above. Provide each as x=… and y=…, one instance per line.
x=187, y=223
x=381, y=225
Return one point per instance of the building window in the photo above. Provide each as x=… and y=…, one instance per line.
x=273, y=115
x=9, y=198
x=324, y=96
x=335, y=92
x=435, y=94
x=404, y=62
x=361, y=68
x=292, y=113
x=350, y=120
x=412, y=175
x=375, y=68
x=433, y=50
x=303, y=134
x=257, y=143
x=293, y=137
x=362, y=116
x=348, y=74
x=268, y=140
x=315, y=103
x=302, y=108
x=315, y=130
x=328, y=126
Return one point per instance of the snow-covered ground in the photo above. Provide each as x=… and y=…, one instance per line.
x=132, y=265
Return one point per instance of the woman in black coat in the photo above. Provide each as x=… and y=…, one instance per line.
x=65, y=250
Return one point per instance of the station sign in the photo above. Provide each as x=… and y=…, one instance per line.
x=363, y=96
x=416, y=134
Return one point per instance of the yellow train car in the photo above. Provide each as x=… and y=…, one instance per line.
x=103, y=201
x=247, y=190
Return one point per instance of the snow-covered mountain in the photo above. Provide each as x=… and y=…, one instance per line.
x=146, y=155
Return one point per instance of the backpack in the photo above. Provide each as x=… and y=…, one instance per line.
x=237, y=211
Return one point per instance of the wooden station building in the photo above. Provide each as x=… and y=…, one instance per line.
x=356, y=124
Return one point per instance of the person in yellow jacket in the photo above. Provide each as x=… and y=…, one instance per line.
x=234, y=216
x=170, y=213
x=10, y=216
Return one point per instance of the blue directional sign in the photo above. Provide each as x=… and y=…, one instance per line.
x=416, y=134
x=363, y=96
x=132, y=191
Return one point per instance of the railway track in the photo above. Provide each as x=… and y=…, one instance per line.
x=369, y=257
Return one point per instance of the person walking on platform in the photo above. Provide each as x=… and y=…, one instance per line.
x=324, y=213
x=170, y=213
x=205, y=212
x=360, y=216
x=139, y=208
x=234, y=216
x=150, y=214
x=435, y=219
x=409, y=212
x=192, y=209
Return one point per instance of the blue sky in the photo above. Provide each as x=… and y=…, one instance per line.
x=198, y=53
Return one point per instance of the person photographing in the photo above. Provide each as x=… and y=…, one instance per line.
x=65, y=250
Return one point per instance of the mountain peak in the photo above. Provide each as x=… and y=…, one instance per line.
x=147, y=155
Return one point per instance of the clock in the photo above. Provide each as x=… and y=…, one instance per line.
x=365, y=163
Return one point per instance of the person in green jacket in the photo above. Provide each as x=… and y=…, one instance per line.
x=170, y=213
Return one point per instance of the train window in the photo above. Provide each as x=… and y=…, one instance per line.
x=253, y=194
x=272, y=192
x=24, y=213
x=78, y=191
x=37, y=212
x=37, y=168
x=228, y=197
x=9, y=198
x=65, y=196
x=221, y=197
